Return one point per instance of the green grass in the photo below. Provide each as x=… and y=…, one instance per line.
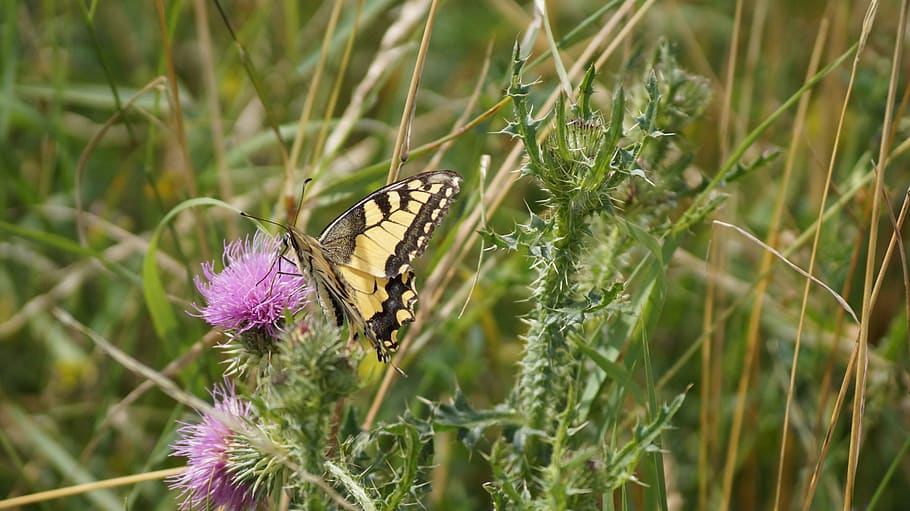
x=618, y=341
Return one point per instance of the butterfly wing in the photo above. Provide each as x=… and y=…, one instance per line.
x=383, y=233
x=371, y=247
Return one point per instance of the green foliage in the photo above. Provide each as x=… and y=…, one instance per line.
x=552, y=352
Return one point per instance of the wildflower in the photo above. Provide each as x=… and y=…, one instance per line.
x=207, y=481
x=253, y=290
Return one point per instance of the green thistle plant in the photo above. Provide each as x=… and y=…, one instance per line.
x=606, y=189
x=578, y=166
x=297, y=398
x=289, y=432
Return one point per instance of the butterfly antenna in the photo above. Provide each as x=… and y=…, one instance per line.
x=266, y=220
x=300, y=200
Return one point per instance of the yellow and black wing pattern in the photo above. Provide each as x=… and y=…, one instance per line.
x=361, y=263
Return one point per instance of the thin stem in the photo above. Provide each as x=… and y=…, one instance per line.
x=402, y=141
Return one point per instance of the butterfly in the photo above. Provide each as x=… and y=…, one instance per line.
x=360, y=265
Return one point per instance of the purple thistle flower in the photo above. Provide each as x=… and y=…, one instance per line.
x=207, y=482
x=250, y=293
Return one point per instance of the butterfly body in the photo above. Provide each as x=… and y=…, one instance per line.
x=361, y=263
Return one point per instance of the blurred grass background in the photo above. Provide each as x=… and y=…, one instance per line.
x=69, y=158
